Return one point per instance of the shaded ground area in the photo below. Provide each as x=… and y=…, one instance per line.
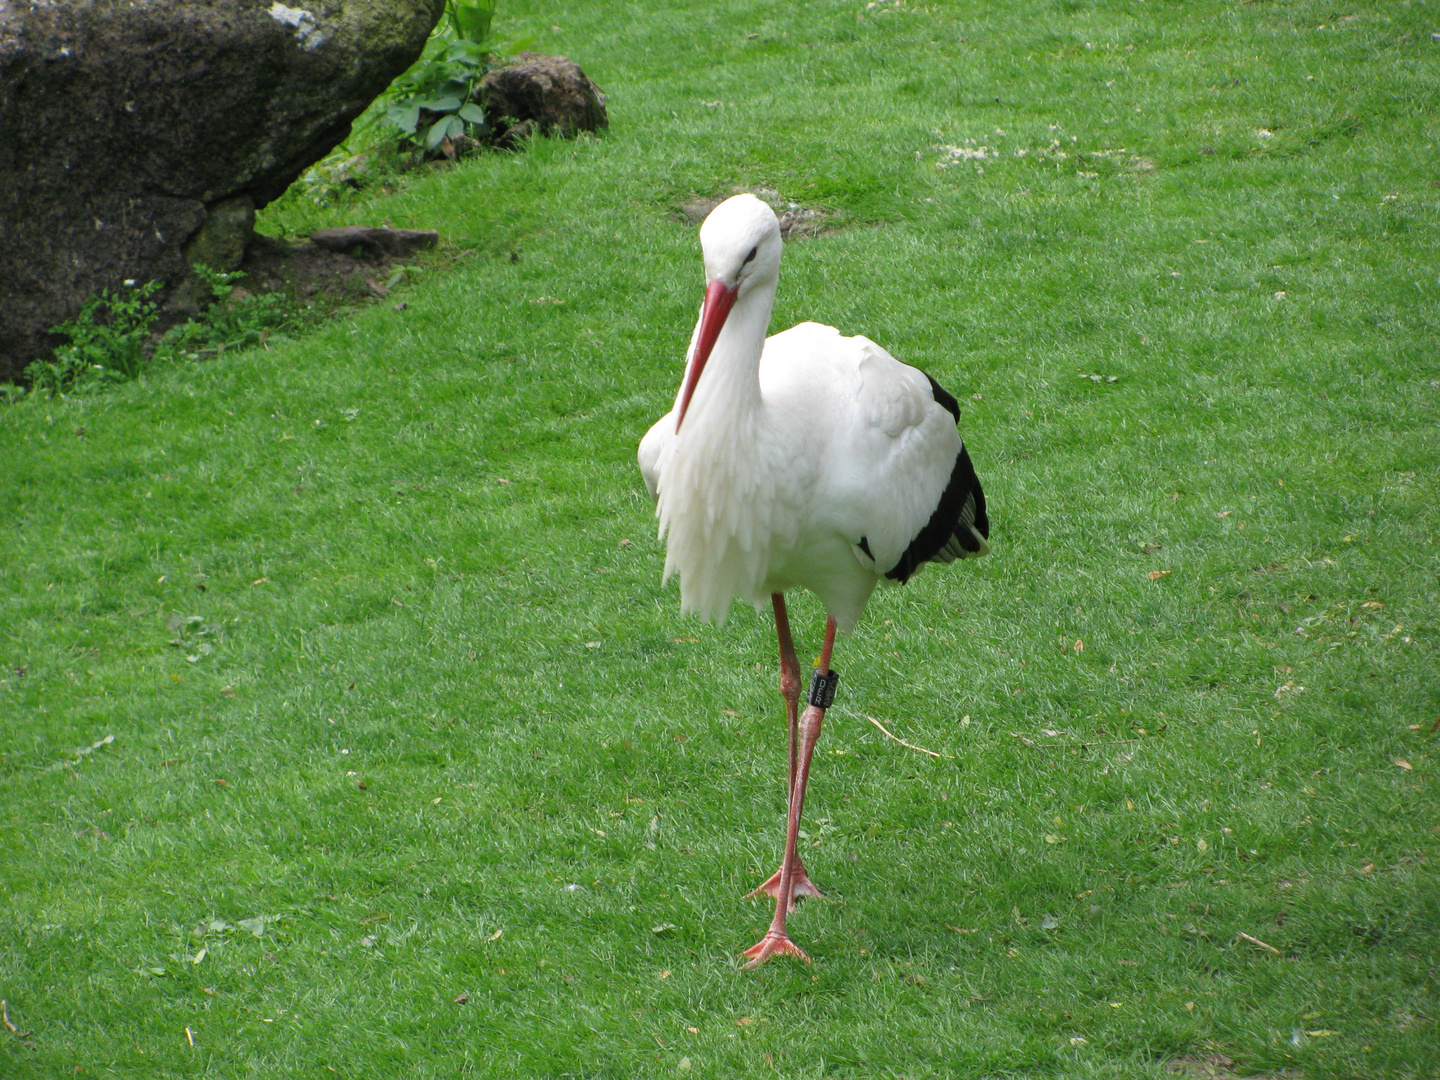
x=311, y=275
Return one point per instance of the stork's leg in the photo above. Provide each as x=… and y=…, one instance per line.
x=776, y=941
x=790, y=691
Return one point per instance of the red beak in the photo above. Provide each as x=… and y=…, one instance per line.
x=718, y=301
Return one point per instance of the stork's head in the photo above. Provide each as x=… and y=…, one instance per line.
x=741, y=243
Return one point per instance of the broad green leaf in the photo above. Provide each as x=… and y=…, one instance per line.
x=406, y=118
x=465, y=52
x=472, y=21
x=471, y=113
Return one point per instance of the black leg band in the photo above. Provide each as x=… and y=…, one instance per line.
x=822, y=688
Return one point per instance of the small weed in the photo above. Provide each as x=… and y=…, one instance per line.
x=437, y=94
x=440, y=94
x=107, y=343
x=111, y=340
x=344, y=172
x=434, y=108
x=236, y=320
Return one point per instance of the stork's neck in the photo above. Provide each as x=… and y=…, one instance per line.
x=729, y=387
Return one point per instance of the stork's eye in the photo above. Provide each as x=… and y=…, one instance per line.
x=753, y=252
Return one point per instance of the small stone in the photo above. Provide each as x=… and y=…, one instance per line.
x=372, y=241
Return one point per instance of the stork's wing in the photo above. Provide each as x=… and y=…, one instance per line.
x=651, y=447
x=958, y=527
x=900, y=484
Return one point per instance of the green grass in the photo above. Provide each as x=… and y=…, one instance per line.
x=374, y=616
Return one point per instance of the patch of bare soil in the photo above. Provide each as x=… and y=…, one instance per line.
x=329, y=280
x=1216, y=1067
x=796, y=222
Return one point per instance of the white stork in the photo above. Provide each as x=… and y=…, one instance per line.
x=804, y=459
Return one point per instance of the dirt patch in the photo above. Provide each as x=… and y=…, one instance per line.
x=311, y=275
x=796, y=222
x=1217, y=1067
x=310, y=283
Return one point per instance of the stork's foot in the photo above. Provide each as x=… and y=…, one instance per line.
x=774, y=943
x=799, y=886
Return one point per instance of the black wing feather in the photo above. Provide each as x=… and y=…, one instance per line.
x=944, y=398
x=951, y=532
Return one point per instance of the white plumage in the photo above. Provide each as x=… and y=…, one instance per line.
x=781, y=468
x=806, y=459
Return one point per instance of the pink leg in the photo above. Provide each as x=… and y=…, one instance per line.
x=790, y=691
x=776, y=941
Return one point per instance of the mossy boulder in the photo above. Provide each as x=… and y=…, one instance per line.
x=139, y=136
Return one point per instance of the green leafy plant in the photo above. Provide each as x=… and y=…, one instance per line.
x=110, y=337
x=429, y=107
x=107, y=342
x=232, y=321
x=435, y=99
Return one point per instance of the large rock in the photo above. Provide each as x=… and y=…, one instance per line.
x=548, y=94
x=135, y=134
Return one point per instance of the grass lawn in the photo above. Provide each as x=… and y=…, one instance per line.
x=395, y=759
